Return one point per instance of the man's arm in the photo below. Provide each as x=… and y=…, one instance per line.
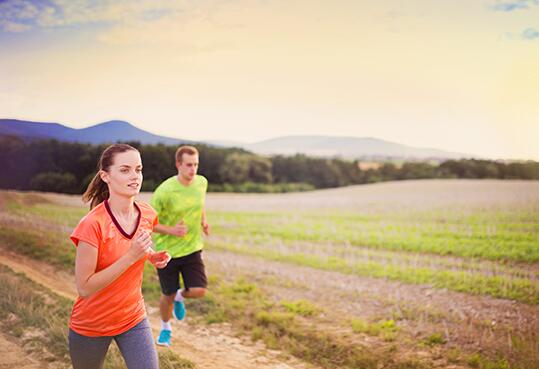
x=204, y=223
x=179, y=230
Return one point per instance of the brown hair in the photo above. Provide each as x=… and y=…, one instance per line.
x=189, y=150
x=98, y=191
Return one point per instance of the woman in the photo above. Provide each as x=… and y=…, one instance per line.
x=113, y=241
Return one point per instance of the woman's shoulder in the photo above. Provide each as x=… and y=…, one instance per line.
x=146, y=209
x=95, y=215
x=91, y=224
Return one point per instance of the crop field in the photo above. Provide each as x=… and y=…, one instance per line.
x=414, y=274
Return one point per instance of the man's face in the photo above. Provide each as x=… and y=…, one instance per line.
x=188, y=167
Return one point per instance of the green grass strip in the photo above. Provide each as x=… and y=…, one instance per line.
x=496, y=286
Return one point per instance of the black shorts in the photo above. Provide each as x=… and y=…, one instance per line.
x=192, y=269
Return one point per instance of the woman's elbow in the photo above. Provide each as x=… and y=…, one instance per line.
x=83, y=292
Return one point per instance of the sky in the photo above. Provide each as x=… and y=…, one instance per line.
x=459, y=75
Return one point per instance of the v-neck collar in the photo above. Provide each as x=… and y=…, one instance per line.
x=124, y=233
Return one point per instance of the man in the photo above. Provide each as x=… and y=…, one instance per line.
x=179, y=202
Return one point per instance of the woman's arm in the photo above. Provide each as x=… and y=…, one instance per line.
x=88, y=281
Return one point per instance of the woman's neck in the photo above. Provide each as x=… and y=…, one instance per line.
x=121, y=204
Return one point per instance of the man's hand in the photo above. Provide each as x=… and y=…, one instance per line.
x=179, y=229
x=205, y=228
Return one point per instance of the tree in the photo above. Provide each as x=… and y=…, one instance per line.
x=235, y=168
x=54, y=182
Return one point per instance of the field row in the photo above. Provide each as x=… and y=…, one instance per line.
x=472, y=236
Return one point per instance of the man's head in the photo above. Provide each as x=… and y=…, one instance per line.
x=187, y=162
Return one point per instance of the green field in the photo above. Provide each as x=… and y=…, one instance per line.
x=411, y=247
x=390, y=281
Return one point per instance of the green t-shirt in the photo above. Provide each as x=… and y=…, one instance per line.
x=173, y=202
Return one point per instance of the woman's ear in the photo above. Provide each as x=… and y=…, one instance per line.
x=104, y=176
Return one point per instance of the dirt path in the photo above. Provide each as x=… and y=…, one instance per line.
x=58, y=281
x=13, y=356
x=213, y=347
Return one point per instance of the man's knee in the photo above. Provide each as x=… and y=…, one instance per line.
x=168, y=298
x=195, y=292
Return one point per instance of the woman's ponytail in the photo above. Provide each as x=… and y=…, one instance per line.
x=97, y=191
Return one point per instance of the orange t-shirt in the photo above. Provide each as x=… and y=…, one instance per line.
x=119, y=306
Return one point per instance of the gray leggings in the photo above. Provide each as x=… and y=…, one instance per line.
x=136, y=345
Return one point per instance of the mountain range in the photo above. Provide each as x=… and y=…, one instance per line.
x=322, y=146
x=111, y=131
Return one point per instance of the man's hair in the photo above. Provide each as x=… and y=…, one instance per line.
x=189, y=150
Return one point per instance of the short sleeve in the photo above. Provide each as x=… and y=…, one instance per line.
x=155, y=201
x=149, y=214
x=204, y=184
x=154, y=216
x=88, y=230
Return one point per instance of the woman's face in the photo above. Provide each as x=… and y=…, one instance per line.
x=124, y=176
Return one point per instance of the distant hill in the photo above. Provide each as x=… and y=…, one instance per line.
x=322, y=146
x=111, y=131
x=347, y=147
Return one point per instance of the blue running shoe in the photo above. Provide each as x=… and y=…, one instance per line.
x=164, y=338
x=179, y=310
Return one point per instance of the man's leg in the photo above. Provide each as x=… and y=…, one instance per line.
x=194, y=280
x=165, y=306
x=169, y=279
x=179, y=304
x=194, y=292
x=194, y=276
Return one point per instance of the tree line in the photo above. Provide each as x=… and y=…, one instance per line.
x=67, y=167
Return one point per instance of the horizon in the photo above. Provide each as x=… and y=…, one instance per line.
x=217, y=142
x=454, y=76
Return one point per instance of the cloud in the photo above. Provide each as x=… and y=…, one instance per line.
x=13, y=27
x=530, y=34
x=21, y=15
x=16, y=15
x=509, y=6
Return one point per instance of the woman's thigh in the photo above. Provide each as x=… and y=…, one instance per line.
x=137, y=347
x=87, y=352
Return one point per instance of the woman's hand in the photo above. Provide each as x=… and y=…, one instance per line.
x=140, y=247
x=159, y=259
